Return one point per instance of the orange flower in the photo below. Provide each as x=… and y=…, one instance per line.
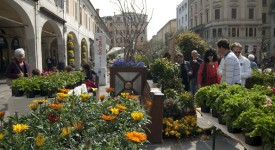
x=108, y=90
x=101, y=97
x=59, y=99
x=2, y=114
x=56, y=106
x=130, y=96
x=121, y=107
x=148, y=103
x=107, y=118
x=64, y=90
x=136, y=136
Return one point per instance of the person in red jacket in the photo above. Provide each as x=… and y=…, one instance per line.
x=207, y=74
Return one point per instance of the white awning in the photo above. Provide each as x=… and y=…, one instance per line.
x=114, y=50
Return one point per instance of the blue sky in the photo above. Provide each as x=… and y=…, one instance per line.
x=163, y=11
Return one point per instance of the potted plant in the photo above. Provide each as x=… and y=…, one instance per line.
x=265, y=125
x=31, y=85
x=247, y=121
x=233, y=107
x=201, y=99
x=214, y=92
x=166, y=74
x=17, y=87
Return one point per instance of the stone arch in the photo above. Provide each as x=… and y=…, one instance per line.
x=16, y=24
x=51, y=45
x=73, y=58
x=84, y=47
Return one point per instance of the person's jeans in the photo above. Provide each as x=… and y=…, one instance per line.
x=193, y=86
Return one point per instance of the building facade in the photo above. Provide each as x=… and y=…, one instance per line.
x=131, y=26
x=165, y=33
x=239, y=21
x=182, y=15
x=60, y=30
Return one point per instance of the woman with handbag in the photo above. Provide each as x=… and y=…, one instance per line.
x=207, y=74
x=18, y=67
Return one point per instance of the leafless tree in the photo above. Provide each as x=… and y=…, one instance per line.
x=135, y=21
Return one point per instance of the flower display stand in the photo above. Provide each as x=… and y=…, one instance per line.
x=134, y=77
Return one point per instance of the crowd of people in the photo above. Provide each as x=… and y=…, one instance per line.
x=227, y=64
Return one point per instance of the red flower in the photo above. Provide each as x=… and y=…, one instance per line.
x=52, y=118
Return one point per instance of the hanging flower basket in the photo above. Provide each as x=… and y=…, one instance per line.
x=70, y=45
x=70, y=37
x=71, y=53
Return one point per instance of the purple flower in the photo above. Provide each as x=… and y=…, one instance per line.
x=122, y=63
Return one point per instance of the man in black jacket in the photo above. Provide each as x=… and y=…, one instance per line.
x=184, y=69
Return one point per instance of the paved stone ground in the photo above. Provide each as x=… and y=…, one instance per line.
x=222, y=142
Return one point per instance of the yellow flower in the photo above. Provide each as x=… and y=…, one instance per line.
x=66, y=131
x=124, y=94
x=137, y=115
x=94, y=89
x=1, y=136
x=121, y=107
x=78, y=125
x=178, y=134
x=136, y=136
x=40, y=101
x=115, y=111
x=39, y=140
x=18, y=128
x=71, y=60
x=62, y=95
x=107, y=118
x=33, y=106
x=172, y=132
x=84, y=97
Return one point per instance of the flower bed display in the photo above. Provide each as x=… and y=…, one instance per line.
x=77, y=122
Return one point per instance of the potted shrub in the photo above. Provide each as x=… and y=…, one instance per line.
x=247, y=121
x=31, y=85
x=265, y=127
x=201, y=98
x=17, y=87
x=166, y=74
x=233, y=107
x=214, y=92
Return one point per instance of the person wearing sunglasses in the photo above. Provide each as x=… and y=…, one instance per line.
x=208, y=71
x=244, y=62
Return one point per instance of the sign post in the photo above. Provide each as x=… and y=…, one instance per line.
x=100, y=58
